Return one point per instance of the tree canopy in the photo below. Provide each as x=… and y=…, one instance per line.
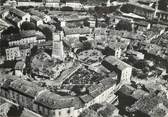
x=28, y=26
x=124, y=25
x=163, y=4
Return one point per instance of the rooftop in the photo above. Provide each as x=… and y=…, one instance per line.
x=145, y=7
x=116, y=62
x=22, y=35
x=25, y=87
x=55, y=101
x=90, y=56
x=71, y=31
x=35, y=18
x=147, y=103
x=17, y=12
x=37, y=13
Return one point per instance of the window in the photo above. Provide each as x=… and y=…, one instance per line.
x=59, y=113
x=69, y=111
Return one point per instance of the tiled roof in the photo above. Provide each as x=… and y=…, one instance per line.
x=107, y=111
x=70, y=31
x=126, y=90
x=5, y=80
x=147, y=103
x=35, y=18
x=137, y=94
x=97, y=89
x=145, y=7
x=13, y=19
x=55, y=101
x=116, y=62
x=86, y=98
x=159, y=111
x=22, y=34
x=37, y=13
x=17, y=12
x=29, y=33
x=25, y=87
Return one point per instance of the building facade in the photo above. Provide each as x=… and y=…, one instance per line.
x=123, y=70
x=12, y=53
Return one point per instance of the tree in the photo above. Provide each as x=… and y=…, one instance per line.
x=28, y=26
x=124, y=25
x=10, y=30
x=163, y=4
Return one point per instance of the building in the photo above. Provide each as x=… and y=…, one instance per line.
x=150, y=106
x=103, y=110
x=162, y=15
x=100, y=93
x=23, y=38
x=142, y=10
x=52, y=3
x=44, y=17
x=4, y=25
x=113, y=50
x=11, y=3
x=4, y=108
x=51, y=104
x=58, y=48
x=12, y=53
x=76, y=32
x=17, y=17
x=76, y=6
x=21, y=3
x=58, y=106
x=36, y=20
x=137, y=55
x=123, y=70
x=19, y=67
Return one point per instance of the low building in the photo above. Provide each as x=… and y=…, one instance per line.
x=23, y=38
x=12, y=53
x=142, y=10
x=137, y=55
x=46, y=103
x=113, y=50
x=51, y=105
x=23, y=92
x=76, y=6
x=17, y=17
x=4, y=108
x=105, y=110
x=150, y=106
x=43, y=16
x=76, y=32
x=123, y=70
x=36, y=20
x=29, y=3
